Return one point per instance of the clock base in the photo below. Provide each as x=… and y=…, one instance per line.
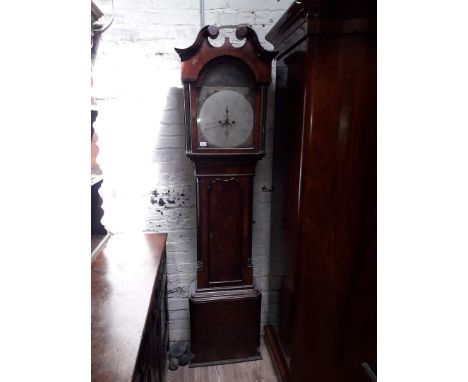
x=224, y=325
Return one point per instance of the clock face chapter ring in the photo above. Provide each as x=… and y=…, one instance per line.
x=225, y=120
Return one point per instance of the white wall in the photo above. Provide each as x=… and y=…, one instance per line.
x=148, y=181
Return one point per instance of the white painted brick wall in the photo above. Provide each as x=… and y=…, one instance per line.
x=149, y=183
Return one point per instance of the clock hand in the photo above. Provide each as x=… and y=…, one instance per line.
x=226, y=120
x=228, y=124
x=213, y=125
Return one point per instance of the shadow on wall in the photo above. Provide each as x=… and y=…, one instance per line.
x=175, y=191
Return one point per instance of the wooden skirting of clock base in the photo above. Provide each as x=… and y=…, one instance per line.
x=227, y=361
x=224, y=325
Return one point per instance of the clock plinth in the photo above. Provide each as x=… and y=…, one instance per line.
x=224, y=324
x=225, y=99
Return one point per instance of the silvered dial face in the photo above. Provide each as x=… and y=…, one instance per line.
x=225, y=120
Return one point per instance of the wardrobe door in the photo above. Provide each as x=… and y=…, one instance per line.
x=334, y=312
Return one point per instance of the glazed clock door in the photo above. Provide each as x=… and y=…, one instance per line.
x=226, y=107
x=225, y=221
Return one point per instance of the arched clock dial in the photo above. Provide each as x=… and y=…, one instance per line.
x=225, y=120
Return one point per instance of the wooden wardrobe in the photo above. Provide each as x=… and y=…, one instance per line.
x=323, y=247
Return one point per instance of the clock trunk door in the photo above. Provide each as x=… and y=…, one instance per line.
x=225, y=241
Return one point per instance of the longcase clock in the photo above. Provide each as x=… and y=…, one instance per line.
x=225, y=92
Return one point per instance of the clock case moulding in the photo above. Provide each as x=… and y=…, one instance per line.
x=224, y=302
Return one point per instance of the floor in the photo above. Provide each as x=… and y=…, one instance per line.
x=256, y=371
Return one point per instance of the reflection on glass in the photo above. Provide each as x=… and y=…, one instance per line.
x=226, y=107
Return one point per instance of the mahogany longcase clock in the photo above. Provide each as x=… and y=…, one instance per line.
x=225, y=92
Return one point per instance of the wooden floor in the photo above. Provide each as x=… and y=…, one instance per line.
x=256, y=371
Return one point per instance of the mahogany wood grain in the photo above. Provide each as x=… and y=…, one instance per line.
x=337, y=299
x=123, y=278
x=225, y=324
x=224, y=210
x=329, y=287
x=225, y=245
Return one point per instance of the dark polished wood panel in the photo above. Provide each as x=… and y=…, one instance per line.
x=123, y=302
x=338, y=197
x=224, y=236
x=225, y=224
x=225, y=325
x=326, y=77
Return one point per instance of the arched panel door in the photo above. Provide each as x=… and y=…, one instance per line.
x=225, y=217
